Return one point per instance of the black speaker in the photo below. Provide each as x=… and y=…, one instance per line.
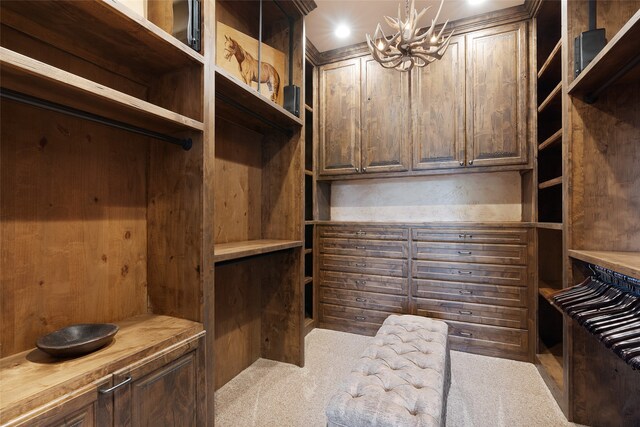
x=292, y=99
x=586, y=46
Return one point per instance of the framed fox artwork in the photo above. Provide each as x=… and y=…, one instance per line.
x=237, y=53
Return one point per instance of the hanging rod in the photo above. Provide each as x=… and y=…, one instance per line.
x=619, y=280
x=48, y=105
x=252, y=113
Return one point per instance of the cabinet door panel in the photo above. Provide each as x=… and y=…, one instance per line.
x=437, y=103
x=497, y=96
x=340, y=118
x=385, y=120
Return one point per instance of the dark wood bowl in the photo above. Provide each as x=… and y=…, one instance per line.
x=76, y=340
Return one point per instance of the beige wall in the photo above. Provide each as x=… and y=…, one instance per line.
x=470, y=197
x=138, y=6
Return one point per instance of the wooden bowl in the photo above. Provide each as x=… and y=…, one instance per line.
x=76, y=340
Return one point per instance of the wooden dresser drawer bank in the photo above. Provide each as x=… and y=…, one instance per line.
x=474, y=277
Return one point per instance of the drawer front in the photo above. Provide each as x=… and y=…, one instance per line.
x=471, y=252
x=362, y=282
x=365, y=247
x=508, y=317
x=369, y=300
x=508, y=275
x=470, y=235
x=351, y=319
x=364, y=265
x=489, y=340
x=373, y=233
x=509, y=296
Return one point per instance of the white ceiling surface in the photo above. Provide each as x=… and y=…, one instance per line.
x=362, y=16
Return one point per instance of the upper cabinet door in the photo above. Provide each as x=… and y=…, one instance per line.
x=497, y=96
x=437, y=105
x=340, y=118
x=385, y=121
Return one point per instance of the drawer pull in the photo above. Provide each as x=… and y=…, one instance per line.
x=361, y=233
x=361, y=247
x=465, y=312
x=461, y=236
x=465, y=334
x=466, y=292
x=470, y=236
x=464, y=252
x=361, y=265
x=464, y=272
x=361, y=318
x=109, y=390
x=361, y=282
x=361, y=299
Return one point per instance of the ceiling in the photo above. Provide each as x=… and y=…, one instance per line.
x=362, y=16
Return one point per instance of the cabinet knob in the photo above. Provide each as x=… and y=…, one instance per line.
x=364, y=169
x=357, y=169
x=470, y=162
x=461, y=163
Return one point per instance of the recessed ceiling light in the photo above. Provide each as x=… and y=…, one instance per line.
x=475, y=2
x=342, y=31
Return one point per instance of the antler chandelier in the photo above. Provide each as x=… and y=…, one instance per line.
x=406, y=49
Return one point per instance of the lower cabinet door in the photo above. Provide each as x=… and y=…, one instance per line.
x=166, y=391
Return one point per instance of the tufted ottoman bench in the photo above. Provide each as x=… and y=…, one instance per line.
x=402, y=379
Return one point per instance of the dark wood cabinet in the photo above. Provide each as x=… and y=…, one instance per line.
x=385, y=137
x=340, y=118
x=437, y=107
x=497, y=96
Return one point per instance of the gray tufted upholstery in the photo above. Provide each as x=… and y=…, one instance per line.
x=402, y=379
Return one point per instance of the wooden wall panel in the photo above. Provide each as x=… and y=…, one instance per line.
x=605, y=189
x=74, y=232
x=238, y=171
x=237, y=317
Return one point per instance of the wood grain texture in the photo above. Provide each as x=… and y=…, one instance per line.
x=497, y=82
x=35, y=78
x=74, y=231
x=48, y=378
x=385, y=135
x=340, y=131
x=438, y=111
x=623, y=262
x=237, y=317
x=235, y=250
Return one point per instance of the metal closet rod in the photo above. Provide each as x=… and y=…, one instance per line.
x=48, y=105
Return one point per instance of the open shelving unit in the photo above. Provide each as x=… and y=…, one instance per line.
x=550, y=183
x=259, y=178
x=104, y=200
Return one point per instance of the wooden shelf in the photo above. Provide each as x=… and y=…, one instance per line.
x=235, y=250
x=28, y=76
x=308, y=108
x=310, y=222
x=553, y=96
x=553, y=139
x=547, y=293
x=308, y=172
x=550, y=225
x=627, y=263
x=550, y=183
x=241, y=104
x=104, y=32
x=553, y=62
x=33, y=378
x=308, y=251
x=551, y=361
x=620, y=51
x=308, y=280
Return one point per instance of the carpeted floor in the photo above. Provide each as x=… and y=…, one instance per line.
x=485, y=391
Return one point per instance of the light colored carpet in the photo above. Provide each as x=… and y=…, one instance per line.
x=485, y=391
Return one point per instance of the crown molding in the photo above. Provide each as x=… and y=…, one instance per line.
x=312, y=53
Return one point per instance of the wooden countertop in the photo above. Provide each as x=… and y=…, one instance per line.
x=33, y=378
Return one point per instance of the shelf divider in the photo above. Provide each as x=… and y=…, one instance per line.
x=552, y=56
x=556, y=137
x=627, y=263
x=619, y=57
x=551, y=97
x=550, y=183
x=247, y=248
